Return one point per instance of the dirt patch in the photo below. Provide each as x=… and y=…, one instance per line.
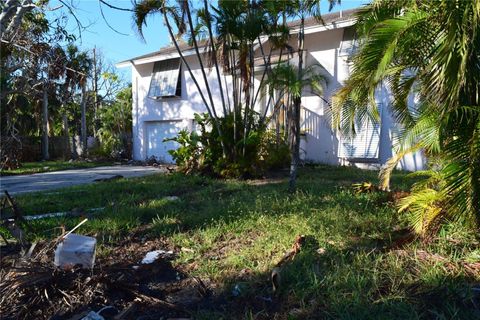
x=130, y=290
x=37, y=290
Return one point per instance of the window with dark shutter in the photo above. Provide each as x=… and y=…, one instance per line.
x=364, y=145
x=166, y=80
x=349, y=43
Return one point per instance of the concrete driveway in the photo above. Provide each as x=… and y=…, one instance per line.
x=67, y=178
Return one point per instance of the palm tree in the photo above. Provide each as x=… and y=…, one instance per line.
x=144, y=8
x=431, y=50
x=78, y=66
x=300, y=9
x=286, y=79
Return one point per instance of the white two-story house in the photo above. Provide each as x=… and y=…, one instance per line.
x=165, y=100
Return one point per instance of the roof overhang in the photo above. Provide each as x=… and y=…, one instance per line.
x=158, y=57
x=164, y=56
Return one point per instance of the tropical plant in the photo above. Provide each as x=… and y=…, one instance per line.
x=178, y=12
x=200, y=151
x=430, y=50
x=116, y=124
x=286, y=79
x=237, y=26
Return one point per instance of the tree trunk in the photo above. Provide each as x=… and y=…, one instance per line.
x=83, y=130
x=248, y=94
x=204, y=74
x=95, y=94
x=66, y=135
x=12, y=14
x=200, y=60
x=295, y=121
x=215, y=61
x=45, y=155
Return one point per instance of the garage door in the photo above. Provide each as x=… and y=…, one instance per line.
x=156, y=132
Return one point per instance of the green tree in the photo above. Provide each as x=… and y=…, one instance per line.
x=31, y=68
x=430, y=50
x=116, y=124
x=237, y=25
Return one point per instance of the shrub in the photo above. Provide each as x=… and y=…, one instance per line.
x=249, y=155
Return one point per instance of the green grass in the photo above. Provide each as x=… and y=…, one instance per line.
x=47, y=166
x=231, y=226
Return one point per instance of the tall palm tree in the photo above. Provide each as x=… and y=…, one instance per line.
x=177, y=13
x=78, y=65
x=431, y=50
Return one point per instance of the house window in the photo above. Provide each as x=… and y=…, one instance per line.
x=349, y=44
x=166, y=80
x=364, y=145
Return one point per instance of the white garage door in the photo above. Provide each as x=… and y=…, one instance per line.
x=156, y=132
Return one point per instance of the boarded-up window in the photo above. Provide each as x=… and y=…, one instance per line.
x=349, y=43
x=166, y=80
x=364, y=145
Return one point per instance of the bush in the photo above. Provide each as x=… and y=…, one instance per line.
x=248, y=156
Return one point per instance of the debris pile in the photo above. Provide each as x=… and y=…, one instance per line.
x=35, y=289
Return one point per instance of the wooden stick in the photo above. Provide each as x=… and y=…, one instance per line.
x=75, y=228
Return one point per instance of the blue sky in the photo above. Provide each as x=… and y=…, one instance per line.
x=117, y=47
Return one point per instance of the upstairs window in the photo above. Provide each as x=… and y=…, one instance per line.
x=349, y=44
x=166, y=80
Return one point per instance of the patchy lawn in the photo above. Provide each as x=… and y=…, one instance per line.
x=356, y=262
x=47, y=166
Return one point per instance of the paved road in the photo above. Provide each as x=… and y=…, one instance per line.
x=67, y=178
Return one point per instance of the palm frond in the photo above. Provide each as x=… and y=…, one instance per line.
x=142, y=10
x=387, y=169
x=423, y=208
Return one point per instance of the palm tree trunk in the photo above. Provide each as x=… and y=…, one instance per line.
x=204, y=74
x=270, y=98
x=295, y=121
x=215, y=61
x=184, y=61
x=83, y=130
x=231, y=57
x=45, y=154
x=66, y=135
x=267, y=67
x=248, y=96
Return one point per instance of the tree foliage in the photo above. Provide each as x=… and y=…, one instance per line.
x=430, y=50
x=39, y=55
x=230, y=36
x=116, y=125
